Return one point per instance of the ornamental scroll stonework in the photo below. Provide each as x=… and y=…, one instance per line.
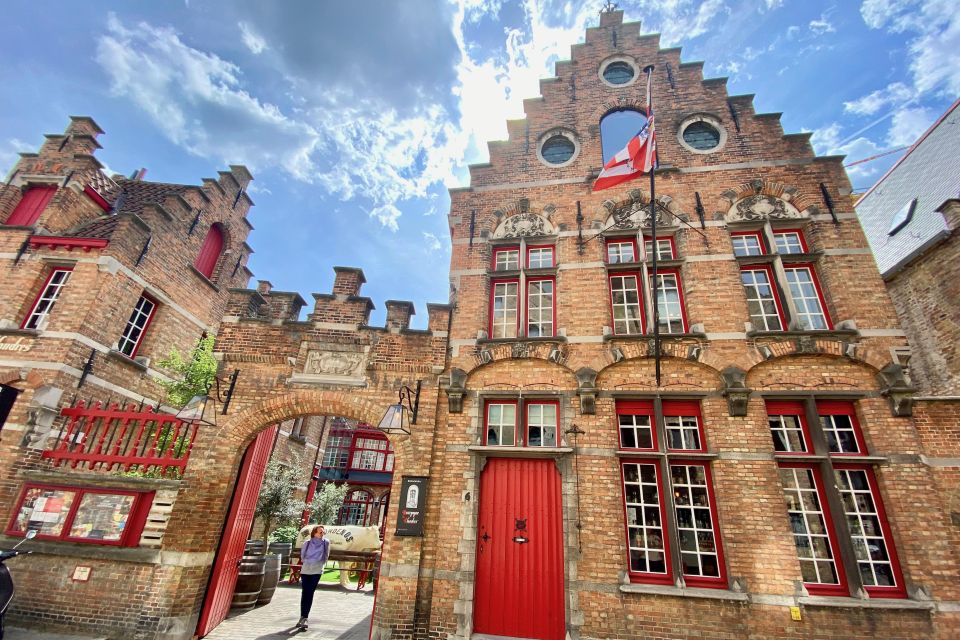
x=762, y=207
x=635, y=214
x=524, y=225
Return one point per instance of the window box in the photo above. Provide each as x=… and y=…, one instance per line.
x=80, y=514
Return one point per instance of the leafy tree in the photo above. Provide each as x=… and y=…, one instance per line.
x=276, y=504
x=285, y=534
x=191, y=377
x=327, y=502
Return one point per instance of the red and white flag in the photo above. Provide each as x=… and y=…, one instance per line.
x=635, y=159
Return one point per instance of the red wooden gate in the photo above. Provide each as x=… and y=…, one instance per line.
x=216, y=604
x=519, y=578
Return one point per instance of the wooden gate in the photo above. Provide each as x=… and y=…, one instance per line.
x=519, y=577
x=223, y=579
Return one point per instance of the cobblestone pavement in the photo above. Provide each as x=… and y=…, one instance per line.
x=337, y=614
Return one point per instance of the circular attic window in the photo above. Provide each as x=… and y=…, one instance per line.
x=558, y=149
x=702, y=134
x=618, y=73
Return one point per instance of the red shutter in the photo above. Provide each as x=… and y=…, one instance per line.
x=32, y=204
x=210, y=251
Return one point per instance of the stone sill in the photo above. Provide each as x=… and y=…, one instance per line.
x=100, y=481
x=684, y=592
x=662, y=230
x=17, y=331
x=530, y=240
x=520, y=452
x=867, y=603
x=82, y=550
x=649, y=336
x=204, y=278
x=124, y=358
x=780, y=456
x=496, y=341
x=821, y=333
x=635, y=266
x=672, y=455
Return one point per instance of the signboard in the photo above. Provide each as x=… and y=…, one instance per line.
x=413, y=505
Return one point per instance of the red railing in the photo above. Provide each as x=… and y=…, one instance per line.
x=131, y=440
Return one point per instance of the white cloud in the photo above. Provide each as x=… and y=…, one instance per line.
x=821, y=26
x=894, y=94
x=432, y=242
x=908, y=125
x=792, y=32
x=828, y=141
x=773, y=4
x=251, y=39
x=387, y=215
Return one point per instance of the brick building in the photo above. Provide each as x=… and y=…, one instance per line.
x=771, y=486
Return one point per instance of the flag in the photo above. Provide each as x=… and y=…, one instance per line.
x=635, y=159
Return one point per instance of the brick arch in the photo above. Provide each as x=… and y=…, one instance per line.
x=677, y=371
x=520, y=369
x=637, y=103
x=774, y=349
x=804, y=202
x=17, y=381
x=520, y=206
x=806, y=371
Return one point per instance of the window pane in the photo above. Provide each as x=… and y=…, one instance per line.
x=804, y=293
x=635, y=432
x=644, y=524
x=760, y=300
x=810, y=535
x=507, y=259
x=694, y=521
x=101, y=516
x=505, y=310
x=541, y=425
x=873, y=558
x=625, y=297
x=501, y=424
x=682, y=432
x=670, y=309
x=45, y=510
x=135, y=325
x=788, y=242
x=540, y=258
x=747, y=245
x=839, y=430
x=787, y=434
x=540, y=308
x=620, y=252
x=48, y=297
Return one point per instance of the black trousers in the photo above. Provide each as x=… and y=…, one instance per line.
x=308, y=586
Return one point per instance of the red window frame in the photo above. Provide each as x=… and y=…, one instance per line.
x=612, y=241
x=844, y=408
x=130, y=537
x=43, y=290
x=683, y=303
x=340, y=434
x=791, y=408
x=32, y=204
x=526, y=422
x=637, y=408
x=526, y=306
x=666, y=537
x=813, y=588
x=799, y=232
x=553, y=255
x=816, y=285
x=719, y=582
x=643, y=315
x=684, y=408
x=504, y=249
x=146, y=325
x=755, y=234
x=355, y=449
x=773, y=289
x=210, y=251
x=486, y=418
x=349, y=501
x=673, y=247
x=900, y=589
x=493, y=286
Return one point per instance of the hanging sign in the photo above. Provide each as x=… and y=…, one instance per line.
x=413, y=504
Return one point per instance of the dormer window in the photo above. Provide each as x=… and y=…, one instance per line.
x=210, y=252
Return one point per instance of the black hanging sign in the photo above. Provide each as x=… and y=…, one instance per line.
x=413, y=504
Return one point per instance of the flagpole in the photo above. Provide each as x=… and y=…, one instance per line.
x=653, y=232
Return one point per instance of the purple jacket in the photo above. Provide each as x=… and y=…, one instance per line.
x=314, y=554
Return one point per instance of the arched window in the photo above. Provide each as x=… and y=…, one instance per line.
x=210, y=251
x=382, y=504
x=356, y=508
x=31, y=205
x=616, y=129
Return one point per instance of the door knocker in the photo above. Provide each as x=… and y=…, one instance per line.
x=519, y=531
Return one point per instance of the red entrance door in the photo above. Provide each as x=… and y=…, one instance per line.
x=519, y=579
x=216, y=604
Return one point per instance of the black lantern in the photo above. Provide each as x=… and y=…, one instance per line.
x=395, y=419
x=202, y=408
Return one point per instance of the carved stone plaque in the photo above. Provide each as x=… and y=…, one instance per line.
x=332, y=363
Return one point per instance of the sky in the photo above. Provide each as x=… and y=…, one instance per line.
x=356, y=119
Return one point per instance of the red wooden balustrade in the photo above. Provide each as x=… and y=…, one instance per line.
x=116, y=439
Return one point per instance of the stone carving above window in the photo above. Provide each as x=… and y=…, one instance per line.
x=524, y=225
x=635, y=213
x=330, y=363
x=762, y=207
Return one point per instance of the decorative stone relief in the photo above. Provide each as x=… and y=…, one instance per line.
x=524, y=225
x=455, y=390
x=587, y=389
x=897, y=390
x=636, y=214
x=735, y=390
x=332, y=363
x=762, y=207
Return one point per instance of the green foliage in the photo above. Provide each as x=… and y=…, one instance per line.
x=285, y=534
x=276, y=504
x=327, y=502
x=191, y=377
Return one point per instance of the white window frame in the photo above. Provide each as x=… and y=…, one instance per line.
x=624, y=323
x=754, y=294
x=501, y=325
x=617, y=251
x=541, y=300
x=136, y=327
x=805, y=293
x=39, y=315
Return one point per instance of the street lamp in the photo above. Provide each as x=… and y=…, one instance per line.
x=201, y=409
x=394, y=420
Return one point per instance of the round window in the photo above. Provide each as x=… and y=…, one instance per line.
x=702, y=136
x=558, y=149
x=618, y=73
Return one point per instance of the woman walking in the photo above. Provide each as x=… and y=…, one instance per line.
x=314, y=556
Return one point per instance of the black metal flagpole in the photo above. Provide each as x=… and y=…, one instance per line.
x=653, y=232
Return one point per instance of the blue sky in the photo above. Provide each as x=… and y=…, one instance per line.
x=356, y=118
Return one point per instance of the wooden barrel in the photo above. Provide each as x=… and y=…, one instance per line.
x=254, y=548
x=271, y=577
x=249, y=582
x=284, y=549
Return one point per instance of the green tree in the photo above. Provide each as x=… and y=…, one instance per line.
x=276, y=505
x=192, y=376
x=327, y=502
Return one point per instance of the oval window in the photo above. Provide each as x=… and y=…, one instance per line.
x=618, y=73
x=702, y=136
x=557, y=149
